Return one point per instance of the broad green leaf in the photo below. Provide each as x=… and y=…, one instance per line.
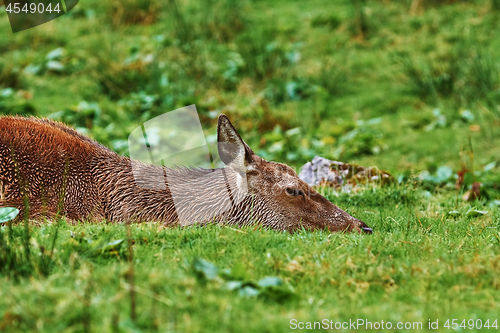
x=55, y=66
x=467, y=115
x=293, y=131
x=111, y=245
x=444, y=173
x=374, y=121
x=231, y=285
x=270, y=281
x=494, y=203
x=475, y=212
x=248, y=291
x=490, y=166
x=8, y=213
x=55, y=54
x=204, y=268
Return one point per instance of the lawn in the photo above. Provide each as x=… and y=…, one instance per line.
x=417, y=266
x=412, y=87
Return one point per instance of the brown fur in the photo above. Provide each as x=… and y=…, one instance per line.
x=61, y=171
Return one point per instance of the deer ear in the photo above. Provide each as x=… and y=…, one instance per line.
x=233, y=151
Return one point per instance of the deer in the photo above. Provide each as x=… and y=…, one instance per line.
x=49, y=170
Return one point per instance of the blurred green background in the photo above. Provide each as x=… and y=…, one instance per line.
x=404, y=85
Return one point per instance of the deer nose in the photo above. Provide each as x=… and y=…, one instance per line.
x=362, y=226
x=367, y=230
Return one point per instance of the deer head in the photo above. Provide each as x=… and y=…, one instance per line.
x=281, y=199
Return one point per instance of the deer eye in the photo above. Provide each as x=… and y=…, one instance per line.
x=294, y=191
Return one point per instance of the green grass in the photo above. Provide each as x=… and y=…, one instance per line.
x=388, y=83
x=418, y=265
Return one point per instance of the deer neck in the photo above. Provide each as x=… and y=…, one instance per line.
x=135, y=191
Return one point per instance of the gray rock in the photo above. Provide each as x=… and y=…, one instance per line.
x=319, y=170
